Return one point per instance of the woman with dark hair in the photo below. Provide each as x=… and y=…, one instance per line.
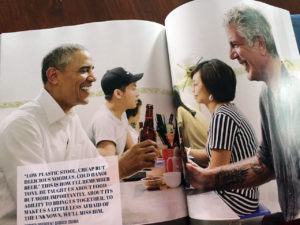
x=230, y=136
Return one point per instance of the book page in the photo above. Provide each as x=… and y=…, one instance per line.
x=195, y=33
x=138, y=47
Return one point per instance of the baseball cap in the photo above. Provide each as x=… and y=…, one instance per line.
x=116, y=78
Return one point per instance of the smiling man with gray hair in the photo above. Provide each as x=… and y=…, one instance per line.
x=252, y=44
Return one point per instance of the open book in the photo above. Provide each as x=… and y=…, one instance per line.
x=192, y=32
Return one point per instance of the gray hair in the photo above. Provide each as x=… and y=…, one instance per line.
x=59, y=58
x=250, y=22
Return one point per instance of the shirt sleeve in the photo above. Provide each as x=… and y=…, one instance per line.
x=103, y=130
x=223, y=132
x=180, y=111
x=264, y=152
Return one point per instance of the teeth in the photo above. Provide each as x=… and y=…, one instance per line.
x=85, y=88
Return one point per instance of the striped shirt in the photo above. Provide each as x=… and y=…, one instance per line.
x=229, y=130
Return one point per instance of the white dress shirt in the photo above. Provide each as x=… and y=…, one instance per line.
x=38, y=132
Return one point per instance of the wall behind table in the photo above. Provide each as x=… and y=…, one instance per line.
x=142, y=49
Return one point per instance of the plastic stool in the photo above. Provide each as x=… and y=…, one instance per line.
x=261, y=211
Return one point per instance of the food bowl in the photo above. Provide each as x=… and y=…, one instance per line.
x=172, y=179
x=152, y=183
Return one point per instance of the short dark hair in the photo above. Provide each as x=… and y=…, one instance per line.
x=59, y=58
x=117, y=78
x=218, y=78
x=134, y=111
x=108, y=97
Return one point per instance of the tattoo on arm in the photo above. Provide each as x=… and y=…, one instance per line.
x=257, y=167
x=226, y=179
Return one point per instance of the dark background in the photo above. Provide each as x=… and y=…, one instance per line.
x=19, y=15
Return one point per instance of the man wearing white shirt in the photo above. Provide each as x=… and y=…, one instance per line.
x=109, y=128
x=46, y=130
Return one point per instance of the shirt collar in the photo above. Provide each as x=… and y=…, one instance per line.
x=52, y=109
x=284, y=71
x=284, y=86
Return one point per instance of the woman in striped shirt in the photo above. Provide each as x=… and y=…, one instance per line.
x=230, y=136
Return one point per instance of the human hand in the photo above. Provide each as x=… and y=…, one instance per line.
x=199, y=178
x=140, y=156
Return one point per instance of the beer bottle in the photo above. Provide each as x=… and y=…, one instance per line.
x=148, y=131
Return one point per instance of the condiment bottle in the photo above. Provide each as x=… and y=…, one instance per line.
x=184, y=159
x=170, y=126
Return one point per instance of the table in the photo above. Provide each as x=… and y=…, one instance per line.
x=141, y=206
x=209, y=209
x=169, y=207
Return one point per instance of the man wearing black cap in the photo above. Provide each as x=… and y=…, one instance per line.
x=109, y=129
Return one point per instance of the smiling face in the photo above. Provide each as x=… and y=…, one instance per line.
x=199, y=90
x=74, y=81
x=252, y=58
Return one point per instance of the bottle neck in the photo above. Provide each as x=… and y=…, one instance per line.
x=171, y=119
x=149, y=117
